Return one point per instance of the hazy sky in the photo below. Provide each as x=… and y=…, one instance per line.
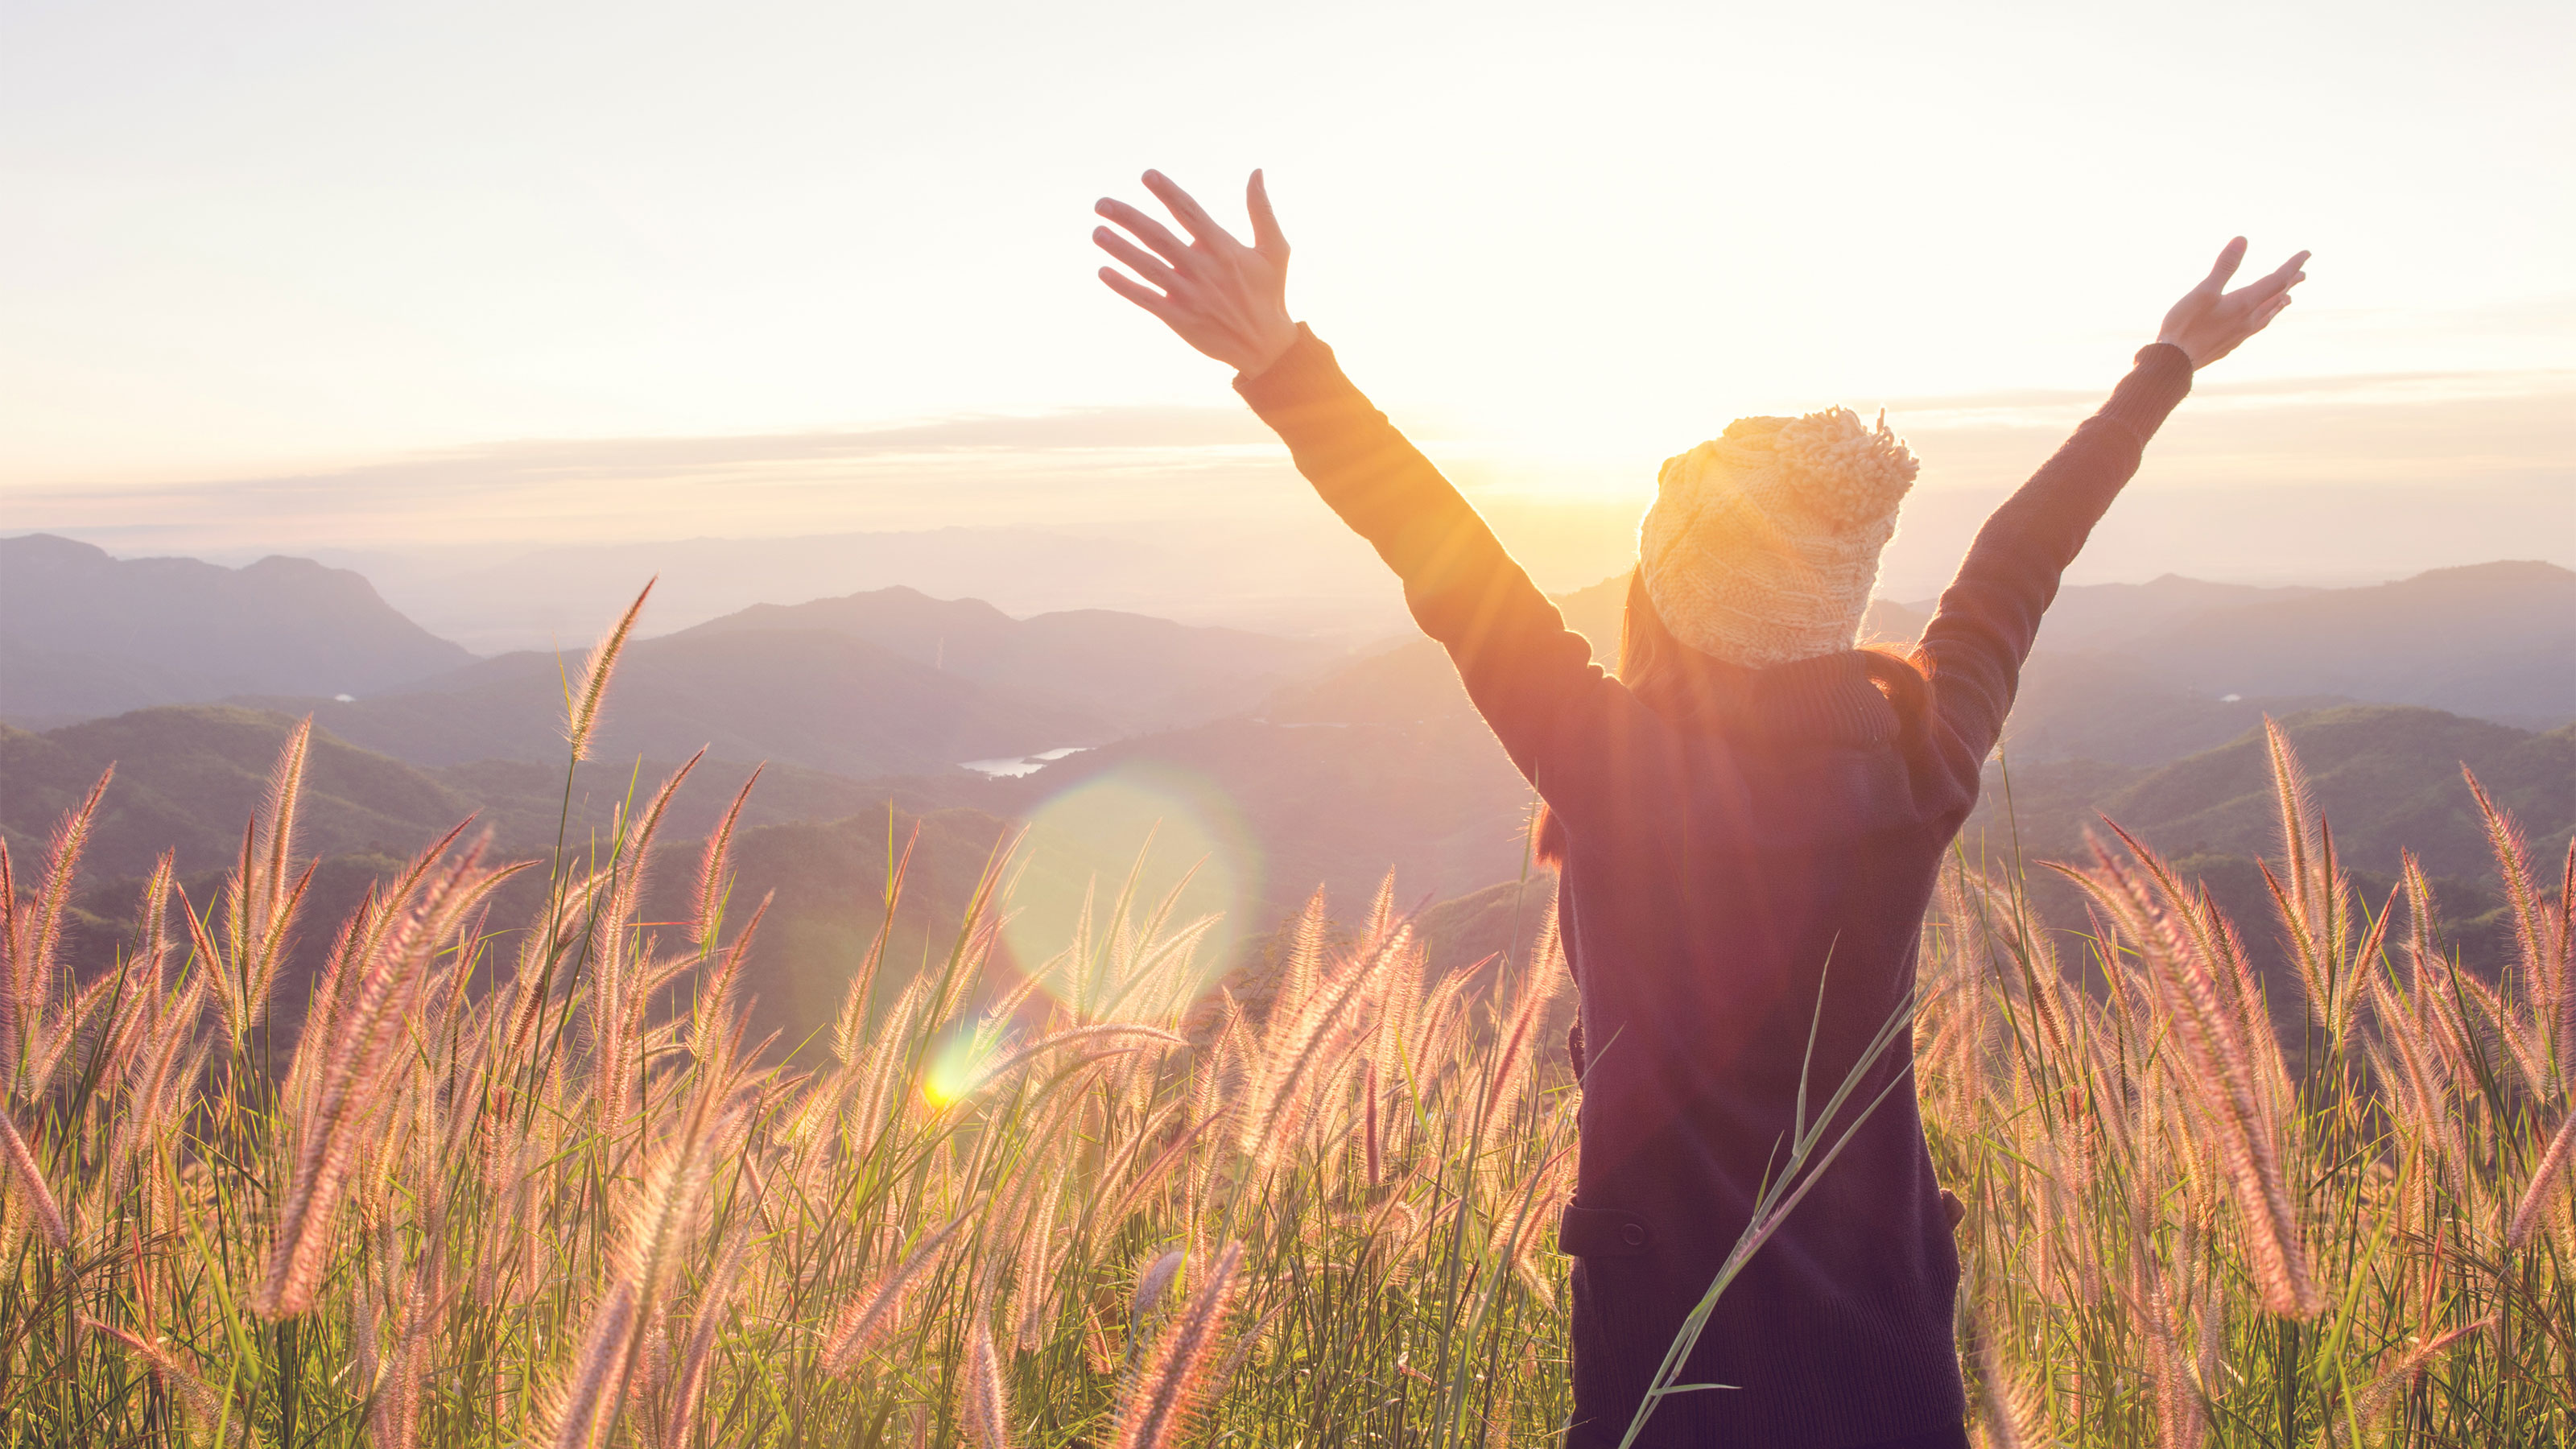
x=263, y=263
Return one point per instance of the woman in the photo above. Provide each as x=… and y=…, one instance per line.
x=1750, y=796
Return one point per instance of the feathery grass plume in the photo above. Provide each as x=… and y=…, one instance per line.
x=209, y=1407
x=159, y=1085
x=715, y=1300
x=714, y=1030
x=1034, y=1271
x=715, y=864
x=129, y=1001
x=2437, y=1011
x=30, y=937
x=13, y=932
x=2229, y=970
x=1173, y=1155
x=850, y=1037
x=618, y=993
x=1144, y=1038
x=1161, y=1406
x=872, y=1313
x=1151, y=1282
x=48, y=1046
x=2536, y=1198
x=2314, y=947
x=2180, y=1423
x=1303, y=968
x=2565, y=927
x=1305, y=1039
x=362, y=940
x=2316, y=899
x=2358, y=1413
x=2209, y=1320
x=2296, y=805
x=2408, y=1071
x=1372, y=1139
x=1534, y=1209
x=582, y=699
x=393, y=1417
x=267, y=954
x=1434, y=1048
x=30, y=1182
x=1381, y=916
x=349, y=1085
x=582, y=1409
x=152, y=914
x=2547, y=949
x=665, y=1219
x=2221, y=1077
x=986, y=1409
x=260, y=906
x=285, y=791
x=232, y=1003
x=538, y=980
x=2007, y=1406
x=1513, y=1048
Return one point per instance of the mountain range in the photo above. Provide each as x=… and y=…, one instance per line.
x=83, y=634
x=889, y=682
x=1288, y=763
x=894, y=682
x=2144, y=673
x=189, y=776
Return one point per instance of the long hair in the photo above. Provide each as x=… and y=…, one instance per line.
x=1692, y=689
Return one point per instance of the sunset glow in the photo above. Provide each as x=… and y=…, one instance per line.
x=305, y=244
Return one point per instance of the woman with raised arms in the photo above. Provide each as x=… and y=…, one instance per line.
x=1750, y=797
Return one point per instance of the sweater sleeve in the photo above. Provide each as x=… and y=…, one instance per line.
x=1990, y=614
x=1521, y=665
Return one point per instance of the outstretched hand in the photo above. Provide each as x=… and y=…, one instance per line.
x=2209, y=322
x=1226, y=299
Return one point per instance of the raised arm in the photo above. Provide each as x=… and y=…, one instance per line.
x=1521, y=665
x=1990, y=614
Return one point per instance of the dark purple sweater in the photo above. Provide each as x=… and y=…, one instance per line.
x=1709, y=871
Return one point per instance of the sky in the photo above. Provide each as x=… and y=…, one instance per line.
x=308, y=276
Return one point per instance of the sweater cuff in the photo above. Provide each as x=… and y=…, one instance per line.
x=2151, y=391
x=1305, y=373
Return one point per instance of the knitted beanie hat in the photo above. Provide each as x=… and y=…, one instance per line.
x=1763, y=543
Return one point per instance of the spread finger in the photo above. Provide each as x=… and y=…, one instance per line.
x=1147, y=230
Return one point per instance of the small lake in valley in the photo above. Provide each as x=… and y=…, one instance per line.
x=1012, y=769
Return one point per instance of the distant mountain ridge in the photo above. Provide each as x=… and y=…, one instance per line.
x=1131, y=670
x=85, y=634
x=2494, y=640
x=890, y=682
x=2144, y=673
x=188, y=776
x=807, y=697
x=2109, y=616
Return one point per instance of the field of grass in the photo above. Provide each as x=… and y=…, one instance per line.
x=528, y=1183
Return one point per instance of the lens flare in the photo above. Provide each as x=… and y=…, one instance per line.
x=1137, y=832
x=950, y=1073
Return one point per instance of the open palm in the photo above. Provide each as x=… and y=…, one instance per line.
x=2209, y=322
x=1226, y=299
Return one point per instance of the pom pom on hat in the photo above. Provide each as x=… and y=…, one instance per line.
x=1843, y=471
x=1763, y=543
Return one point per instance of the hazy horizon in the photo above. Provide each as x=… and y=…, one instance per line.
x=303, y=280
x=1194, y=513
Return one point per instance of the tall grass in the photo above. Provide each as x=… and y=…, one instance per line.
x=528, y=1183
